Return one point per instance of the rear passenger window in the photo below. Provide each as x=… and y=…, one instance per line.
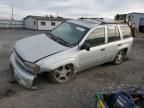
x=96, y=37
x=125, y=31
x=113, y=34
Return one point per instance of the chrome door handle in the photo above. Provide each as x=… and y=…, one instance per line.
x=102, y=49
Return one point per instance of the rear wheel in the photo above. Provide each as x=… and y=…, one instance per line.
x=61, y=74
x=119, y=57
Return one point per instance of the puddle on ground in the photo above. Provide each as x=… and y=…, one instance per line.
x=5, y=50
x=9, y=93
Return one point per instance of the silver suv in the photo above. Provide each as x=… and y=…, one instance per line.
x=73, y=46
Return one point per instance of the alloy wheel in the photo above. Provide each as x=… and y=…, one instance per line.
x=63, y=73
x=119, y=57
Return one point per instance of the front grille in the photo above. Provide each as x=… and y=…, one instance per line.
x=20, y=61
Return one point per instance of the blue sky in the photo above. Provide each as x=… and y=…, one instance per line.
x=69, y=8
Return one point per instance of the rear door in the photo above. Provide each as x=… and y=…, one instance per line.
x=114, y=41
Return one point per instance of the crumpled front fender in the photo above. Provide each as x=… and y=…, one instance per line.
x=23, y=77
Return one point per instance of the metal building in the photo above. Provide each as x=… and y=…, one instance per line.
x=42, y=23
x=137, y=20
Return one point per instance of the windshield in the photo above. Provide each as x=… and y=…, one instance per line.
x=70, y=33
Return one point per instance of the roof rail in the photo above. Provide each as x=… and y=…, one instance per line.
x=91, y=20
x=102, y=21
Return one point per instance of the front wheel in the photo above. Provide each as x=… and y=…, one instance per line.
x=119, y=57
x=61, y=74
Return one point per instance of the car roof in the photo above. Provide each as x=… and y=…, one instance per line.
x=95, y=22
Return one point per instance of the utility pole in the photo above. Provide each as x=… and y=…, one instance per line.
x=11, y=21
x=57, y=13
x=12, y=13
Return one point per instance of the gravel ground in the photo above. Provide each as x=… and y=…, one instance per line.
x=78, y=93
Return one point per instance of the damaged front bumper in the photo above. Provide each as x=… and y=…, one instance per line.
x=23, y=77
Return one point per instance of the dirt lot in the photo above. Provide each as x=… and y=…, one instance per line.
x=78, y=93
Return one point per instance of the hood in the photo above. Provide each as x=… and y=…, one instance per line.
x=36, y=47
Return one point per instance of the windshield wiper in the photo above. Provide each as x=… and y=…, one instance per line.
x=64, y=42
x=51, y=36
x=59, y=40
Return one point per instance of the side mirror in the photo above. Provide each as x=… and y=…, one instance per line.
x=85, y=46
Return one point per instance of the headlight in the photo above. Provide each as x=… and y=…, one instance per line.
x=35, y=67
x=31, y=65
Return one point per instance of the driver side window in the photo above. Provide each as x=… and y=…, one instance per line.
x=96, y=37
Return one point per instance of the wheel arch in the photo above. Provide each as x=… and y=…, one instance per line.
x=70, y=61
x=122, y=48
x=125, y=50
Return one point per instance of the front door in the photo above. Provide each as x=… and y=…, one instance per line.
x=96, y=55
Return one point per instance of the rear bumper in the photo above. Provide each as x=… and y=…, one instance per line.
x=23, y=77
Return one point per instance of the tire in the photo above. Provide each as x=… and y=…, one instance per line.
x=62, y=74
x=119, y=57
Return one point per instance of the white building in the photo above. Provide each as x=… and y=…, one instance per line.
x=42, y=23
x=136, y=19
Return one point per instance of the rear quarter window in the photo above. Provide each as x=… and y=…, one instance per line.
x=113, y=33
x=125, y=31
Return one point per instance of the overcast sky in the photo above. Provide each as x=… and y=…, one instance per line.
x=69, y=8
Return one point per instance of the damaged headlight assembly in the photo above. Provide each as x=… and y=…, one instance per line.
x=33, y=66
x=29, y=64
